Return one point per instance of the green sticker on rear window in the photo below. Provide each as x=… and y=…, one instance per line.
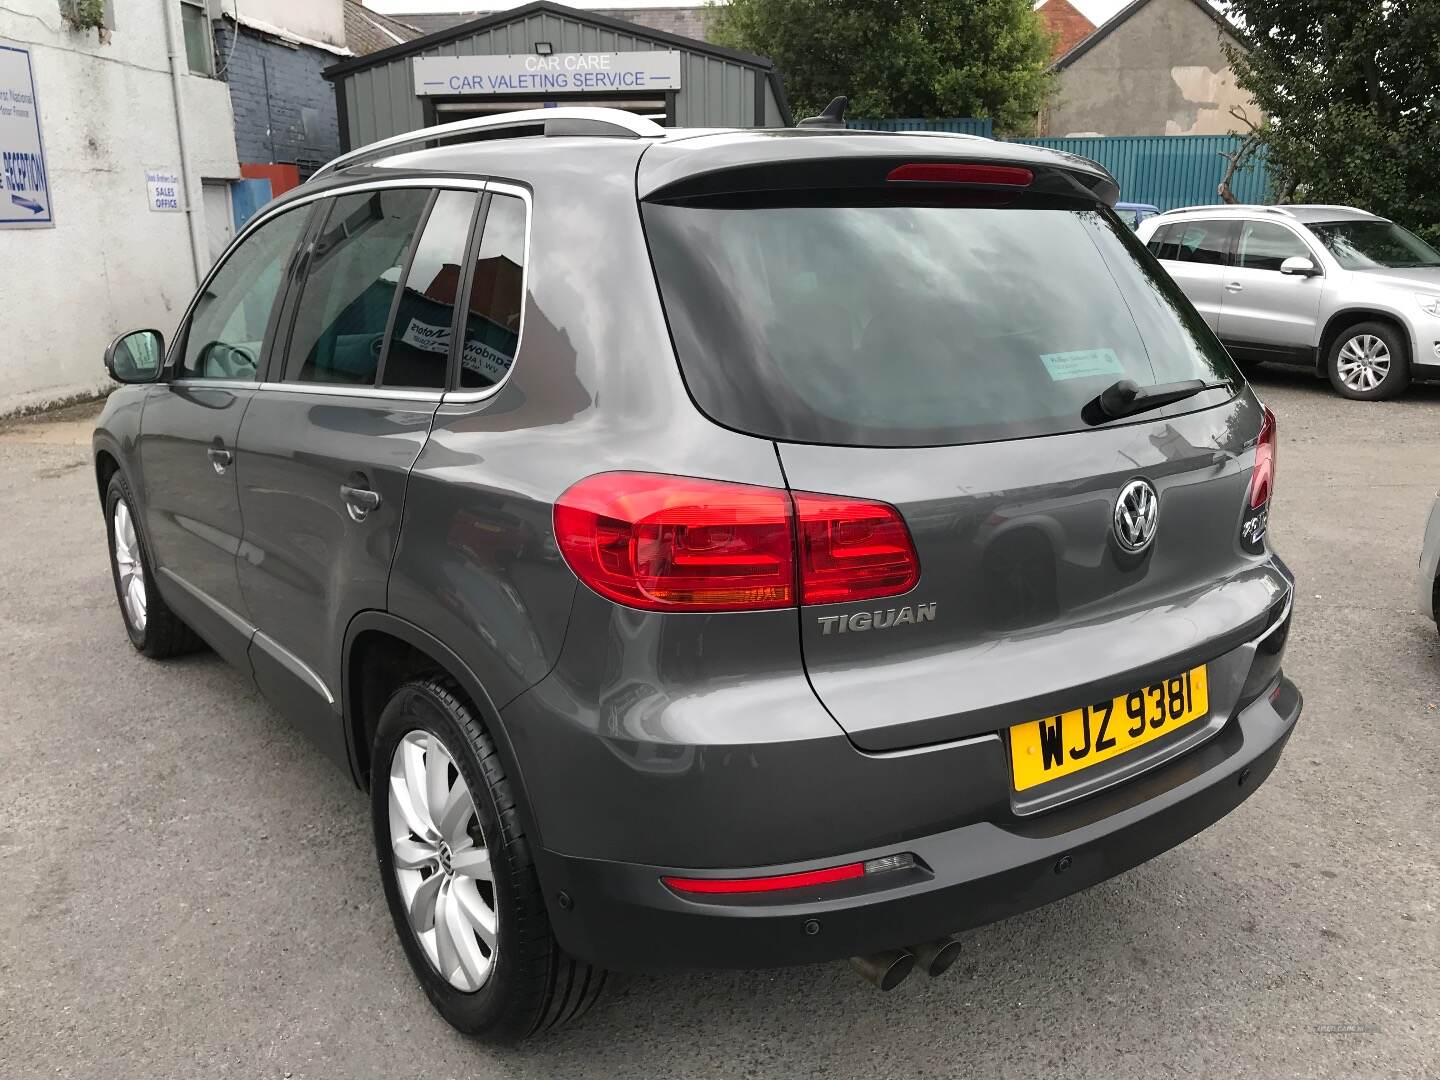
x=1082, y=364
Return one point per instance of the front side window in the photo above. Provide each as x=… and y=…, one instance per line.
x=338, y=334
x=497, y=295
x=913, y=325
x=1371, y=245
x=1264, y=245
x=226, y=334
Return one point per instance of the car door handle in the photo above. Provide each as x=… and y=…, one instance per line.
x=1234, y=286
x=220, y=459
x=359, y=501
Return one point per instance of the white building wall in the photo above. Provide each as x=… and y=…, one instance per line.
x=107, y=113
x=318, y=21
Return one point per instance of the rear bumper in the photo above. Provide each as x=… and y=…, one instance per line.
x=620, y=915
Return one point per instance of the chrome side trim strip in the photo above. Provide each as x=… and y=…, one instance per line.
x=292, y=663
x=232, y=618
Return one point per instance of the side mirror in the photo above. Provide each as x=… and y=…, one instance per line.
x=1299, y=266
x=136, y=357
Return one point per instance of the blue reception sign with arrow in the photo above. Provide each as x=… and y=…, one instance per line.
x=24, y=179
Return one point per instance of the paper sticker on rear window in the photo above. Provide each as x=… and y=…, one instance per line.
x=1082, y=364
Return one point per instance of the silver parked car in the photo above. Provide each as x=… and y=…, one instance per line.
x=1351, y=294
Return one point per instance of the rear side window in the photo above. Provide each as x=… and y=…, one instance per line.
x=419, y=351
x=906, y=325
x=1265, y=245
x=354, y=271
x=497, y=295
x=1192, y=242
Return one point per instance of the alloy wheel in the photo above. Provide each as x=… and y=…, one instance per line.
x=1363, y=363
x=441, y=862
x=128, y=567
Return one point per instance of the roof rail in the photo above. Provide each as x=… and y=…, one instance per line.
x=561, y=121
x=1210, y=208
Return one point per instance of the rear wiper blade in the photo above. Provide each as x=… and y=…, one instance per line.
x=1126, y=398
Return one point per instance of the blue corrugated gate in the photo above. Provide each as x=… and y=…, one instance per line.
x=961, y=125
x=1167, y=170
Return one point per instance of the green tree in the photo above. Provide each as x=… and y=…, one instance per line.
x=1351, y=89
x=893, y=58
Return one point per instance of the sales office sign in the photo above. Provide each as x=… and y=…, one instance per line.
x=559, y=73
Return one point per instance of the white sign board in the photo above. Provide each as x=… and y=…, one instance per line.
x=24, y=179
x=559, y=73
x=162, y=189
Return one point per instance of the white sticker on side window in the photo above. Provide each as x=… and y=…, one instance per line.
x=1082, y=364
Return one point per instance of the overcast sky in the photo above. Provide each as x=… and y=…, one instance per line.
x=1097, y=11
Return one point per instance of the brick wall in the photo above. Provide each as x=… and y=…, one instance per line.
x=284, y=109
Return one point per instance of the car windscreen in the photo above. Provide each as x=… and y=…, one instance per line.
x=1373, y=245
x=915, y=325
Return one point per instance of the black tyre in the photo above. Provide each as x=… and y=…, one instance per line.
x=1368, y=362
x=153, y=628
x=459, y=876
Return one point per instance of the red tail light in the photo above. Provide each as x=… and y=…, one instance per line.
x=1262, y=480
x=667, y=543
x=957, y=173
x=852, y=550
x=675, y=543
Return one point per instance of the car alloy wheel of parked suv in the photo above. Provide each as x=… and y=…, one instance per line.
x=1349, y=294
x=713, y=549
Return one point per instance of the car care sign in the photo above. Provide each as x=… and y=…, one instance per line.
x=559, y=73
x=24, y=179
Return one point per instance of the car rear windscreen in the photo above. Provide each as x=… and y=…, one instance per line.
x=908, y=325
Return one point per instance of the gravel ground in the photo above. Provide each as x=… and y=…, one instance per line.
x=187, y=890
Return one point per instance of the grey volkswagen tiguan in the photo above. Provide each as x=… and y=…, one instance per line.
x=797, y=545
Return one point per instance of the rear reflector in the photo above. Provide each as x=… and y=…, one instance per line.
x=767, y=884
x=677, y=543
x=956, y=173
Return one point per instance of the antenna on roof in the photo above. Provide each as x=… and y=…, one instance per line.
x=833, y=115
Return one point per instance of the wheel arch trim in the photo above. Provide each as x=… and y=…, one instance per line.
x=1350, y=316
x=450, y=662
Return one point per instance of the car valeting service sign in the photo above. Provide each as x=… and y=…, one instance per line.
x=559, y=73
x=24, y=179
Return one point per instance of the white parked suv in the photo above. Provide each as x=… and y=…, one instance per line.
x=1330, y=287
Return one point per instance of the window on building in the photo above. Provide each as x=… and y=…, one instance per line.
x=227, y=331
x=497, y=296
x=354, y=272
x=199, y=47
x=1264, y=245
x=420, y=334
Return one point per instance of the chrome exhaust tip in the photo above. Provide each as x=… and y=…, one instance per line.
x=935, y=957
x=885, y=970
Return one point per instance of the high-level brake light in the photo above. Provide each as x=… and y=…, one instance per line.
x=951, y=172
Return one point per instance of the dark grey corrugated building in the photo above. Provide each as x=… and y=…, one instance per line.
x=548, y=54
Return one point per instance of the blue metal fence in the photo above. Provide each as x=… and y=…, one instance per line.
x=961, y=125
x=1169, y=170
x=1166, y=170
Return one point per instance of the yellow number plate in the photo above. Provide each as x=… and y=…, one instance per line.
x=1056, y=746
